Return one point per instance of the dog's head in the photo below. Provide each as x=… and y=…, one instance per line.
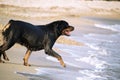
x=63, y=28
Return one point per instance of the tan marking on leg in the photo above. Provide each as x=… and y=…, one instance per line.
x=26, y=57
x=62, y=62
x=6, y=27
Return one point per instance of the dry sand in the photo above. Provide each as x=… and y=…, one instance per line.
x=8, y=69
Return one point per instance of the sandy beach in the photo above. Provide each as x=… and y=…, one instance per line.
x=83, y=15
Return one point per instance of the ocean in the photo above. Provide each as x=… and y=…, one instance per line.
x=104, y=53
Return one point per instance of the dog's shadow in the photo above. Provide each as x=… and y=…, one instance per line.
x=45, y=72
x=68, y=67
x=34, y=65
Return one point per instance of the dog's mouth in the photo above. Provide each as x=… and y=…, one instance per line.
x=67, y=31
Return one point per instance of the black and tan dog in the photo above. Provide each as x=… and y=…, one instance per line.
x=34, y=37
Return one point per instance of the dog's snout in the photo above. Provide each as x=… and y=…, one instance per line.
x=71, y=28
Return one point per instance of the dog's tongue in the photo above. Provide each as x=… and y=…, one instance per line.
x=67, y=33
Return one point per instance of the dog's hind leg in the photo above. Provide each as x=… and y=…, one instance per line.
x=4, y=47
x=4, y=57
x=8, y=42
x=2, y=53
x=1, y=61
x=26, y=57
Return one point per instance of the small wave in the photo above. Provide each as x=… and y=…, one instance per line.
x=103, y=52
x=100, y=50
x=115, y=27
x=90, y=75
x=93, y=61
x=102, y=38
x=93, y=46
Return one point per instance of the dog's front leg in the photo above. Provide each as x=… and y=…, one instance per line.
x=54, y=54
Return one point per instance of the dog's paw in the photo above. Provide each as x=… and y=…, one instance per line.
x=64, y=65
x=6, y=58
x=1, y=61
x=26, y=64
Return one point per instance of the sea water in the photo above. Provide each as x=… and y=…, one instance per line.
x=105, y=55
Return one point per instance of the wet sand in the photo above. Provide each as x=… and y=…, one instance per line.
x=14, y=69
x=8, y=70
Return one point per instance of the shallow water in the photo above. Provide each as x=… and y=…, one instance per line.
x=105, y=54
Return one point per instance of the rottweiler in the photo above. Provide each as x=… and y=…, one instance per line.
x=34, y=37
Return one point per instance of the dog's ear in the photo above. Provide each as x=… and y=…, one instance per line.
x=62, y=25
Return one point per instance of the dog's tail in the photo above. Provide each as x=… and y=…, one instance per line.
x=7, y=25
x=7, y=35
x=2, y=37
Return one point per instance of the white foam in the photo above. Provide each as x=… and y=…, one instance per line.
x=83, y=78
x=103, y=52
x=92, y=60
x=100, y=38
x=93, y=46
x=114, y=27
x=99, y=49
x=89, y=75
